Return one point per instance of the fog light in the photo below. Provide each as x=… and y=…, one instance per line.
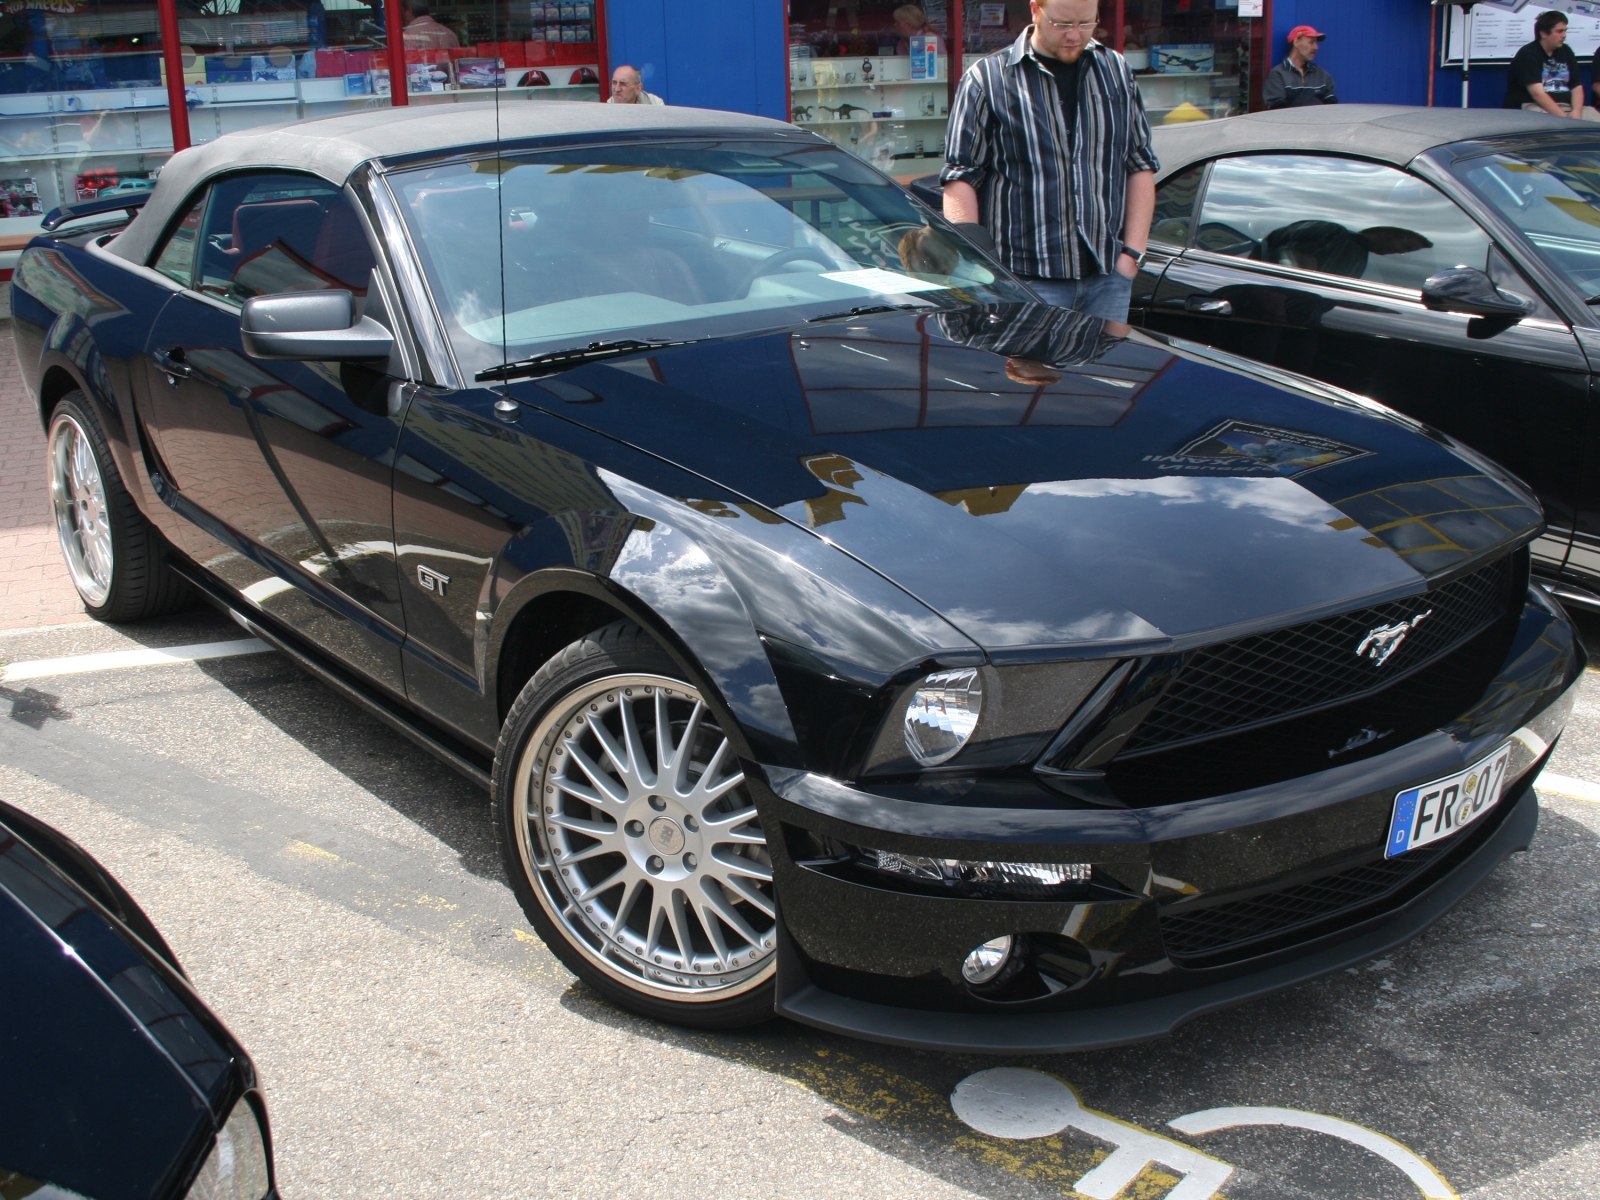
x=988, y=960
x=941, y=715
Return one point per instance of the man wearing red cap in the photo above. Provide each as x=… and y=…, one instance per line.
x=1297, y=81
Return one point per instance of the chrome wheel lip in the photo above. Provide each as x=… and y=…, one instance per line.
x=78, y=503
x=707, y=850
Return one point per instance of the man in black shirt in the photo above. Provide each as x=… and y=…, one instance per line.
x=1544, y=73
x=1297, y=81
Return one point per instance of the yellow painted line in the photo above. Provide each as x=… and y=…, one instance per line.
x=1565, y=785
x=921, y=1111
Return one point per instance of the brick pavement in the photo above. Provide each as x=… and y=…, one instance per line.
x=34, y=587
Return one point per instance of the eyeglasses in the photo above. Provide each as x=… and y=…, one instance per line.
x=1065, y=26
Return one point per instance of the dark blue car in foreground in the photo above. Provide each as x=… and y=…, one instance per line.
x=120, y=1083
x=840, y=632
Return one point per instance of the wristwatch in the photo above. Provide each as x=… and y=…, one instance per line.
x=1137, y=256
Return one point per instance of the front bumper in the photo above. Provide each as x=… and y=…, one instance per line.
x=884, y=964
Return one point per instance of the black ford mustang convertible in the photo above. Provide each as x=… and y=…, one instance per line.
x=841, y=632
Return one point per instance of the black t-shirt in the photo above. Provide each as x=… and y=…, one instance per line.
x=1558, y=72
x=1066, y=74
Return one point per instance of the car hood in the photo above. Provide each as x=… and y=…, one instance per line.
x=1043, y=484
x=93, y=1105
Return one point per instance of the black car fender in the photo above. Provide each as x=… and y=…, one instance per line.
x=786, y=635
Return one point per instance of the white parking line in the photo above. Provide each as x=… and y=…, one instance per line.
x=78, y=664
x=1565, y=785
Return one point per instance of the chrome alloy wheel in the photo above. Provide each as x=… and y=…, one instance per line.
x=78, y=498
x=635, y=826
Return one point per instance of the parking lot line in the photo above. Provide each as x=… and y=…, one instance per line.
x=78, y=664
x=1565, y=785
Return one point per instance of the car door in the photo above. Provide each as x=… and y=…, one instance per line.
x=1315, y=263
x=289, y=461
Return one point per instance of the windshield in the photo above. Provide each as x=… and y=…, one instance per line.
x=1553, y=197
x=672, y=242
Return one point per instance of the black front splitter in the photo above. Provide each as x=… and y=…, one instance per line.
x=1119, y=1025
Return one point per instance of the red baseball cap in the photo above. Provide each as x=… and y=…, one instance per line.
x=1305, y=31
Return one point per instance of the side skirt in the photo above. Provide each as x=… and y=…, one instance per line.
x=472, y=763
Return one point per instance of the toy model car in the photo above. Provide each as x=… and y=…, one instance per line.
x=840, y=632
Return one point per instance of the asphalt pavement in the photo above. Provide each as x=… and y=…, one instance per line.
x=335, y=893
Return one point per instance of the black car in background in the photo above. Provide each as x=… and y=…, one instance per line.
x=120, y=1084
x=1443, y=261
x=840, y=632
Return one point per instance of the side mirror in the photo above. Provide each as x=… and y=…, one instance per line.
x=1469, y=290
x=311, y=327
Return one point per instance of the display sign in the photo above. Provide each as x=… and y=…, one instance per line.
x=1252, y=8
x=1502, y=27
x=924, y=56
x=1177, y=60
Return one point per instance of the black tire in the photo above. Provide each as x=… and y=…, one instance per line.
x=135, y=583
x=672, y=850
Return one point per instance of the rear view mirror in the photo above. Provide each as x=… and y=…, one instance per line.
x=1469, y=290
x=311, y=326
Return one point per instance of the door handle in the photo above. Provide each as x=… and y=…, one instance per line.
x=171, y=361
x=1211, y=306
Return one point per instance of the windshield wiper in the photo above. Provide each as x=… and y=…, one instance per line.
x=1593, y=300
x=865, y=310
x=573, y=356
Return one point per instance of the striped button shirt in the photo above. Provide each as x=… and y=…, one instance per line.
x=1045, y=196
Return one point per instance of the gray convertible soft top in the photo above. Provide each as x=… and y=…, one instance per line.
x=1386, y=132
x=333, y=147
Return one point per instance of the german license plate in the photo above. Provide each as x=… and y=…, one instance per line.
x=1438, y=809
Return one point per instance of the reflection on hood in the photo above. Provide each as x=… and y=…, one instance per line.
x=1038, y=332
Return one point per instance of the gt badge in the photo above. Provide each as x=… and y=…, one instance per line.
x=431, y=580
x=1383, y=641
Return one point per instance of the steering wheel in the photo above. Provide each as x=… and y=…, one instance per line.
x=773, y=261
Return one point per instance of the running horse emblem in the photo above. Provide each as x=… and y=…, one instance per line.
x=1383, y=641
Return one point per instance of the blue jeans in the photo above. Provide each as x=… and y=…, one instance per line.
x=1104, y=296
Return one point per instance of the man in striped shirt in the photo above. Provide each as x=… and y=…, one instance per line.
x=1049, y=148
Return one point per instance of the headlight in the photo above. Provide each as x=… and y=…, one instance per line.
x=980, y=717
x=236, y=1168
x=941, y=715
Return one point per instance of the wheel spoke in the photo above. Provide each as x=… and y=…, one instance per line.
x=684, y=753
x=631, y=888
x=678, y=910
x=751, y=894
x=565, y=858
x=603, y=783
x=663, y=734
x=617, y=754
x=587, y=794
x=635, y=747
x=592, y=829
x=737, y=864
x=725, y=827
x=658, y=922
x=590, y=891
x=713, y=928
x=717, y=898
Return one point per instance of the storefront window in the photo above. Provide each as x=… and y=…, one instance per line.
x=1192, y=57
x=83, y=97
x=873, y=76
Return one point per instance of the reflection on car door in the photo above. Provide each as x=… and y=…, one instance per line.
x=289, y=460
x=1315, y=263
